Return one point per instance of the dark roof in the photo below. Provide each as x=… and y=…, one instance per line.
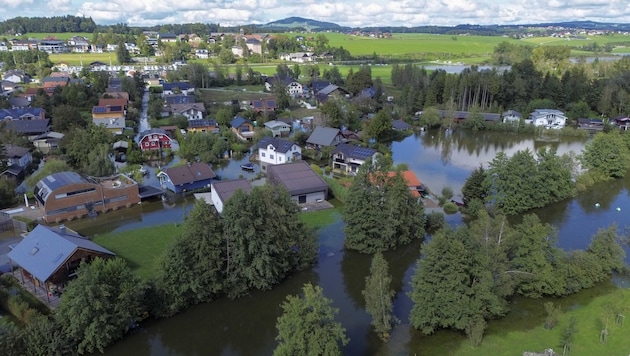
x=318, y=85
x=512, y=113
x=15, y=151
x=57, y=180
x=238, y=121
x=280, y=145
x=19, y=102
x=181, y=85
x=202, y=123
x=167, y=35
x=226, y=188
x=323, y=136
x=19, y=112
x=368, y=93
x=145, y=133
x=400, y=125
x=45, y=249
x=13, y=170
x=36, y=126
x=55, y=79
x=178, y=99
x=190, y=173
x=297, y=178
x=328, y=89
x=352, y=151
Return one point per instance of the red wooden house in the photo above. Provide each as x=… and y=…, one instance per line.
x=154, y=139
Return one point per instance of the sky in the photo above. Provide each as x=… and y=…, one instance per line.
x=353, y=13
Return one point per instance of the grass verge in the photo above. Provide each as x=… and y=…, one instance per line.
x=141, y=248
x=320, y=218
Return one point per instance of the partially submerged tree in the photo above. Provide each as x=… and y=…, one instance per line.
x=378, y=297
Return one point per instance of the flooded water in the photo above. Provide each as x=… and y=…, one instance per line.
x=247, y=326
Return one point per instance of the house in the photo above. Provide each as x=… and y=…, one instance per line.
x=293, y=87
x=350, y=135
x=70, y=195
x=263, y=105
x=549, y=118
x=254, y=45
x=16, y=76
x=591, y=124
x=114, y=102
x=115, y=125
x=28, y=128
x=243, y=128
x=53, y=82
x=178, y=99
x=278, y=128
x=177, y=88
x=237, y=51
x=205, y=125
x=512, y=116
x=622, y=122
x=18, y=159
x=187, y=178
x=167, y=37
x=202, y=53
x=108, y=112
x=52, y=46
x=19, y=102
x=348, y=158
x=22, y=114
x=273, y=150
x=222, y=191
x=8, y=86
x=324, y=137
x=299, y=179
x=50, y=256
x=415, y=186
x=154, y=139
x=47, y=141
x=191, y=111
x=463, y=115
x=3, y=48
x=400, y=125
x=79, y=44
x=299, y=57
x=329, y=91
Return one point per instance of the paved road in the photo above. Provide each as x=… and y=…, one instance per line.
x=144, y=121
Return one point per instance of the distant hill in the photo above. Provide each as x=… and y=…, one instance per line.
x=302, y=23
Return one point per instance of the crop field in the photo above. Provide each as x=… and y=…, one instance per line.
x=75, y=59
x=62, y=36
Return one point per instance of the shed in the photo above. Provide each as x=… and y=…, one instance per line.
x=299, y=179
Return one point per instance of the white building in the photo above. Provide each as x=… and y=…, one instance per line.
x=548, y=118
x=222, y=191
x=273, y=150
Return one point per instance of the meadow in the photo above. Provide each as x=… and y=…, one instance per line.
x=76, y=59
x=61, y=36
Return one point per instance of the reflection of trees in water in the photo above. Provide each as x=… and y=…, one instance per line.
x=244, y=326
x=603, y=193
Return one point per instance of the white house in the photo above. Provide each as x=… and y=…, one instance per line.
x=349, y=157
x=511, y=116
x=202, y=53
x=273, y=150
x=191, y=111
x=3, y=47
x=548, y=118
x=222, y=191
x=278, y=128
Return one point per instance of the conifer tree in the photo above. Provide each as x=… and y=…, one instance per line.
x=378, y=297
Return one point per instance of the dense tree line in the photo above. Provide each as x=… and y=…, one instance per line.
x=467, y=274
x=33, y=63
x=595, y=88
x=55, y=24
x=380, y=212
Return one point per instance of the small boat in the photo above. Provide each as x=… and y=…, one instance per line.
x=248, y=166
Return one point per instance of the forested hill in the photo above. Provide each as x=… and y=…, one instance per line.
x=57, y=24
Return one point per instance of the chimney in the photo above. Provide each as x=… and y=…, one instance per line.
x=62, y=228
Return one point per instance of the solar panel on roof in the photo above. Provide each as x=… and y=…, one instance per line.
x=100, y=109
x=116, y=108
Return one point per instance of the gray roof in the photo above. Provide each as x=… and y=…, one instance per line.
x=297, y=178
x=352, y=151
x=110, y=123
x=189, y=173
x=15, y=151
x=512, y=113
x=57, y=180
x=238, y=121
x=45, y=249
x=323, y=136
x=37, y=126
x=328, y=89
x=467, y=114
x=226, y=188
x=280, y=145
x=400, y=125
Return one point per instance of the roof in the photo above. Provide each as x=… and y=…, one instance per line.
x=36, y=126
x=110, y=123
x=181, y=108
x=467, y=114
x=323, y=136
x=226, y=188
x=352, y=151
x=318, y=85
x=202, y=123
x=280, y=145
x=121, y=144
x=112, y=102
x=178, y=99
x=20, y=112
x=275, y=123
x=45, y=249
x=411, y=180
x=238, y=121
x=181, y=85
x=328, y=89
x=264, y=104
x=512, y=113
x=148, y=132
x=55, y=181
x=400, y=125
x=50, y=134
x=15, y=151
x=19, y=102
x=191, y=173
x=107, y=109
x=298, y=178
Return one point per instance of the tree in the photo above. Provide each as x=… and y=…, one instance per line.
x=431, y=116
x=380, y=212
x=307, y=325
x=99, y=306
x=378, y=297
x=7, y=193
x=51, y=166
x=380, y=127
x=98, y=163
x=122, y=54
x=78, y=144
x=607, y=155
x=568, y=336
x=66, y=116
x=475, y=187
x=193, y=267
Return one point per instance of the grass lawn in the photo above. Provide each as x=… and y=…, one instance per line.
x=524, y=330
x=223, y=95
x=321, y=218
x=75, y=59
x=141, y=248
x=62, y=36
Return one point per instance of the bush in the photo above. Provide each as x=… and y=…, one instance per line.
x=327, y=169
x=338, y=191
x=450, y=208
x=447, y=193
x=317, y=169
x=434, y=221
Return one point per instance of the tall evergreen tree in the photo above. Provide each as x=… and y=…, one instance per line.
x=378, y=297
x=307, y=325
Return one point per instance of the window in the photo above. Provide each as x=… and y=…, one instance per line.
x=262, y=154
x=280, y=158
x=271, y=156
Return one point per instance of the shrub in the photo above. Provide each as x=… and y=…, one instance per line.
x=317, y=169
x=450, y=208
x=338, y=191
x=434, y=221
x=447, y=193
x=327, y=169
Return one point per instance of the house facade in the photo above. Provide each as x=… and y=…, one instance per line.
x=177, y=88
x=205, y=125
x=299, y=179
x=154, y=139
x=348, y=158
x=324, y=137
x=70, y=195
x=548, y=118
x=191, y=111
x=18, y=158
x=273, y=150
x=243, y=128
x=222, y=191
x=278, y=128
x=512, y=116
x=187, y=178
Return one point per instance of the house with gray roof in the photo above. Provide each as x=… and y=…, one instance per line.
x=324, y=137
x=348, y=158
x=243, y=128
x=512, y=116
x=18, y=159
x=222, y=191
x=278, y=128
x=400, y=125
x=549, y=118
x=299, y=179
x=186, y=178
x=28, y=127
x=49, y=257
x=273, y=150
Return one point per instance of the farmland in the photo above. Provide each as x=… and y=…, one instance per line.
x=75, y=59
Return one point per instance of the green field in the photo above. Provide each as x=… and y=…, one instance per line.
x=62, y=36
x=141, y=248
x=554, y=41
x=75, y=59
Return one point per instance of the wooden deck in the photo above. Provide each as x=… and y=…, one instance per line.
x=40, y=293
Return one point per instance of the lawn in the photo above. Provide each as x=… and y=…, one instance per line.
x=223, y=95
x=75, y=59
x=61, y=36
x=141, y=248
x=524, y=330
x=321, y=218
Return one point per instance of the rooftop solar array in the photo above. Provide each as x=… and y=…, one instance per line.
x=362, y=152
x=99, y=109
